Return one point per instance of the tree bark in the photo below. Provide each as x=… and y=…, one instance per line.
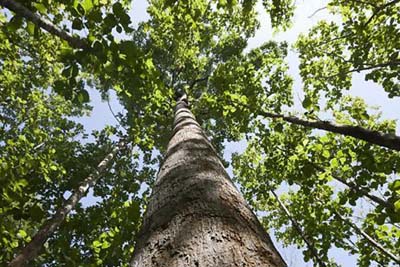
x=196, y=216
x=24, y=12
x=32, y=249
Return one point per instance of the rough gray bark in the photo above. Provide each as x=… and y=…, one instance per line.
x=32, y=249
x=196, y=216
x=41, y=23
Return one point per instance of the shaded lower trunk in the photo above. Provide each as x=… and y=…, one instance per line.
x=196, y=216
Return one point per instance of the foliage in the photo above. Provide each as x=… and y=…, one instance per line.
x=305, y=165
x=366, y=40
x=200, y=47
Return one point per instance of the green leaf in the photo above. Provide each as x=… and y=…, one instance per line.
x=15, y=23
x=87, y=5
x=22, y=233
x=53, y=167
x=395, y=185
x=105, y=245
x=118, y=10
x=30, y=27
x=96, y=243
x=40, y=7
x=278, y=127
x=307, y=102
x=77, y=24
x=83, y=96
x=326, y=154
x=80, y=9
x=149, y=64
x=334, y=163
x=119, y=29
x=397, y=206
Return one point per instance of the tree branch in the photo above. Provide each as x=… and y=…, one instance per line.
x=316, y=11
x=295, y=224
x=368, y=67
x=31, y=250
x=41, y=23
x=370, y=240
x=114, y=115
x=356, y=188
x=390, y=141
x=382, y=139
x=193, y=83
x=378, y=10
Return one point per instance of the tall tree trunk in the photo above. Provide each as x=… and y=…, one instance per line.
x=196, y=216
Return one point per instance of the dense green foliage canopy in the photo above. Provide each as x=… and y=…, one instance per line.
x=340, y=191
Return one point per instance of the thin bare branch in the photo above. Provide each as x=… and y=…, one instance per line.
x=316, y=11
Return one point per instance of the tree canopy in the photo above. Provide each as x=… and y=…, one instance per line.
x=320, y=185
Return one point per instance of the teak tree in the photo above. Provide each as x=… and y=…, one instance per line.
x=343, y=177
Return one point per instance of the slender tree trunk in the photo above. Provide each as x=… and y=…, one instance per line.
x=32, y=249
x=196, y=216
x=309, y=243
x=370, y=240
x=24, y=12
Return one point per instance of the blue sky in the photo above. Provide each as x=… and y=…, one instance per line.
x=372, y=93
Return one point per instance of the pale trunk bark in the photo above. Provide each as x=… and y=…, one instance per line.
x=24, y=12
x=196, y=216
x=32, y=249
